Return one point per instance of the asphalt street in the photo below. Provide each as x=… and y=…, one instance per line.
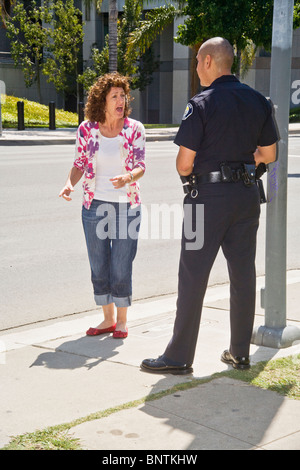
x=44, y=271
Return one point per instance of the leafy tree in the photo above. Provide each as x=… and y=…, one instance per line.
x=46, y=40
x=28, y=38
x=64, y=48
x=247, y=24
x=242, y=22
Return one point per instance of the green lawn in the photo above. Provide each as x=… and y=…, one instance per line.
x=35, y=114
x=295, y=114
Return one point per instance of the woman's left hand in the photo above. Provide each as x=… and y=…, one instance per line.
x=120, y=181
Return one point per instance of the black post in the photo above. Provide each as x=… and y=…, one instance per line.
x=20, y=106
x=80, y=112
x=0, y=118
x=52, y=116
x=2, y=92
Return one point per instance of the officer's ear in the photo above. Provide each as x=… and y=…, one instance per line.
x=208, y=61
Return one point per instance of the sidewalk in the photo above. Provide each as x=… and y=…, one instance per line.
x=67, y=136
x=51, y=373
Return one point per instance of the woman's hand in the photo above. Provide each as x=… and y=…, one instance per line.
x=65, y=192
x=120, y=180
x=130, y=177
x=73, y=178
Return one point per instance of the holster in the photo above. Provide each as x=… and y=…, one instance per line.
x=189, y=184
x=261, y=190
x=248, y=174
x=245, y=173
x=186, y=184
x=260, y=170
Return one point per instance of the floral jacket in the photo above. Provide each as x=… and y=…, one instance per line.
x=132, y=152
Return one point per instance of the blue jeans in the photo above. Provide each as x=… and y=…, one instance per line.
x=111, y=231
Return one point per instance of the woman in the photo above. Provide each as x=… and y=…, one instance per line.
x=110, y=150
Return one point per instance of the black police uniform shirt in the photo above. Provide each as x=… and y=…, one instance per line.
x=225, y=123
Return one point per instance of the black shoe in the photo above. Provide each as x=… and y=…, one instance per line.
x=241, y=363
x=163, y=365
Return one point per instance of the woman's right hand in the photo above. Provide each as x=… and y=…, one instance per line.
x=65, y=192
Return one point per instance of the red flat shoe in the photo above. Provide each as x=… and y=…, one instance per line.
x=101, y=331
x=120, y=334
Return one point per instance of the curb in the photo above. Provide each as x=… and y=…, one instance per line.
x=7, y=141
x=11, y=141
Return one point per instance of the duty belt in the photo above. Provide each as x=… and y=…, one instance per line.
x=227, y=174
x=213, y=177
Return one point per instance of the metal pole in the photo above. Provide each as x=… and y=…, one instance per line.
x=275, y=333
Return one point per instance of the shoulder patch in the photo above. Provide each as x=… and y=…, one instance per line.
x=188, y=111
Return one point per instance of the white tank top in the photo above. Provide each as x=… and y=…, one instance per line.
x=108, y=165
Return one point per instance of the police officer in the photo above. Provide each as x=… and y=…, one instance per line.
x=226, y=131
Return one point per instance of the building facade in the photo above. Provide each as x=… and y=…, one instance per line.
x=258, y=75
x=164, y=100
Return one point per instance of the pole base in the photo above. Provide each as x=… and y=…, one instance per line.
x=278, y=338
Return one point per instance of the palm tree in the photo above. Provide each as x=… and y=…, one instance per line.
x=156, y=20
x=112, y=29
x=113, y=35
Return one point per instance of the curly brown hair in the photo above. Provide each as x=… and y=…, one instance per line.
x=95, y=106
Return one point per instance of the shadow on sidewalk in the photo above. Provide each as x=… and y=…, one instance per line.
x=80, y=353
x=222, y=414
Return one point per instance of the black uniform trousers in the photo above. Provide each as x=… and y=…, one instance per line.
x=231, y=218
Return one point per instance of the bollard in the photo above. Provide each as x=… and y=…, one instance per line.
x=80, y=112
x=2, y=101
x=52, y=116
x=20, y=106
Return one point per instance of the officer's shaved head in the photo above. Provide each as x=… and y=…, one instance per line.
x=220, y=50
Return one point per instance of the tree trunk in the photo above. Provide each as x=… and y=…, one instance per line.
x=195, y=82
x=113, y=35
x=238, y=64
